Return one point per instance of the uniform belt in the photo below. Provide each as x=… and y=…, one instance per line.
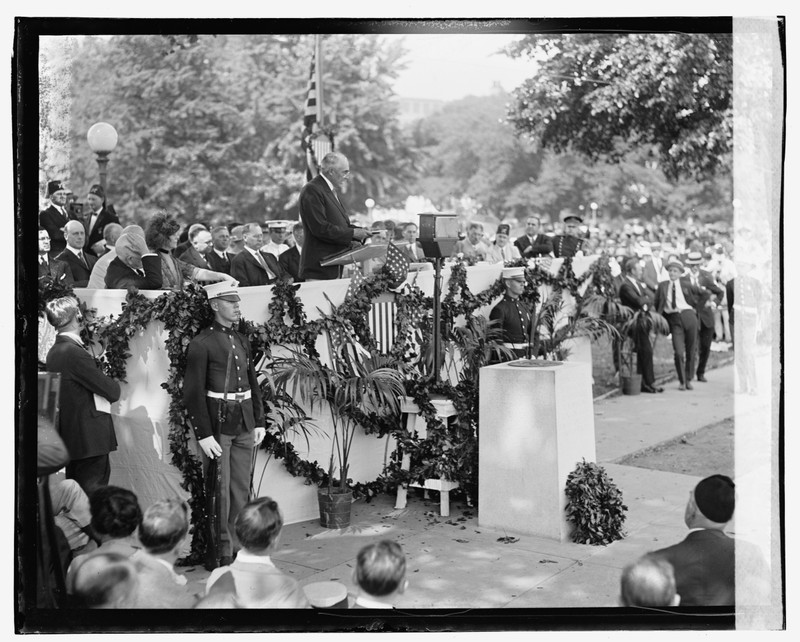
x=516, y=346
x=231, y=396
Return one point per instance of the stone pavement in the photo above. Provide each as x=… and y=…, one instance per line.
x=454, y=563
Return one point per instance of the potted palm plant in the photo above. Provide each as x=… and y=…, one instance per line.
x=637, y=321
x=357, y=380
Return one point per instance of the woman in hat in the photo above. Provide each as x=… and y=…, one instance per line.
x=161, y=236
x=502, y=250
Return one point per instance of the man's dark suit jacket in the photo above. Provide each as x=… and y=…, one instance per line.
x=248, y=271
x=80, y=272
x=542, y=246
x=57, y=271
x=695, y=296
x=705, y=313
x=52, y=220
x=193, y=257
x=289, y=261
x=120, y=277
x=327, y=229
x=107, y=215
x=217, y=263
x=86, y=431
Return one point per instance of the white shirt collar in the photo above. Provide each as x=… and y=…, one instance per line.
x=222, y=254
x=72, y=335
x=250, y=558
x=253, y=252
x=74, y=251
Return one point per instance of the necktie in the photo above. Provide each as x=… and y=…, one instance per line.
x=264, y=265
x=83, y=260
x=674, y=297
x=140, y=271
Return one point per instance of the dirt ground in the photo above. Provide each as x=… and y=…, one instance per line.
x=701, y=453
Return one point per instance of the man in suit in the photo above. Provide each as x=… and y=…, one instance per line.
x=326, y=225
x=654, y=272
x=80, y=262
x=186, y=243
x=111, y=234
x=290, y=259
x=100, y=216
x=87, y=430
x=633, y=294
x=705, y=312
x=55, y=217
x=678, y=300
x=197, y=253
x=413, y=250
x=223, y=398
x=49, y=268
x=218, y=257
x=534, y=244
x=570, y=242
x=252, y=266
x=135, y=264
x=705, y=563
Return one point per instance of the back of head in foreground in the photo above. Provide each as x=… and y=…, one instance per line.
x=105, y=581
x=115, y=512
x=711, y=503
x=258, y=525
x=649, y=581
x=164, y=526
x=381, y=570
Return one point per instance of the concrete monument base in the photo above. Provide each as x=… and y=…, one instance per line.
x=536, y=424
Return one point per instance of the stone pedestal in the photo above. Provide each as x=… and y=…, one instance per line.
x=535, y=425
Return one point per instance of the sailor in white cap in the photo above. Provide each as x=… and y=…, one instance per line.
x=513, y=313
x=277, y=236
x=223, y=399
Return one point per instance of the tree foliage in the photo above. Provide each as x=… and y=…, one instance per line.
x=210, y=126
x=605, y=94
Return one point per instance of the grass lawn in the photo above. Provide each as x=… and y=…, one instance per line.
x=663, y=363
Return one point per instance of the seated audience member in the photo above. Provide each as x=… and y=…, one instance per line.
x=185, y=236
x=162, y=533
x=51, y=269
x=252, y=266
x=72, y=514
x=649, y=581
x=237, y=239
x=162, y=236
x=705, y=562
x=80, y=263
x=222, y=595
x=473, y=246
x=258, y=583
x=502, y=250
x=134, y=264
x=197, y=252
x=105, y=581
x=111, y=234
x=380, y=575
x=219, y=256
x=290, y=259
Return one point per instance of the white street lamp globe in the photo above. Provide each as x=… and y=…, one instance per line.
x=369, y=203
x=593, y=206
x=102, y=138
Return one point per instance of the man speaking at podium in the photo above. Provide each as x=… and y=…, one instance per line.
x=325, y=222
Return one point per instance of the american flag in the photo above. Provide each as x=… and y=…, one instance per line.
x=356, y=282
x=396, y=265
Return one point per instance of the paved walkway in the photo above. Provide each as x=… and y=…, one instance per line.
x=455, y=563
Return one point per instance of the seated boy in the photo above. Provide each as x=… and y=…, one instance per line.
x=380, y=575
x=258, y=583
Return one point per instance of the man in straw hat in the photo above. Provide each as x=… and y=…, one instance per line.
x=513, y=314
x=223, y=398
x=678, y=300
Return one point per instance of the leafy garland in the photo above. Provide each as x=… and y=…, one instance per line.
x=450, y=448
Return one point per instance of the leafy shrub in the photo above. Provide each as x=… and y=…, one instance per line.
x=594, y=505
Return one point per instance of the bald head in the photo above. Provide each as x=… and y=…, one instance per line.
x=111, y=233
x=75, y=234
x=650, y=581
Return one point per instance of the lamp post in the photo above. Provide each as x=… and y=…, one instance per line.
x=102, y=139
x=593, y=205
x=370, y=204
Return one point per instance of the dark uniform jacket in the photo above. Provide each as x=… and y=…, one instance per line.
x=327, y=229
x=515, y=319
x=120, y=277
x=566, y=246
x=542, y=246
x=107, y=215
x=86, y=431
x=206, y=362
x=290, y=262
x=53, y=220
x=706, y=314
x=80, y=272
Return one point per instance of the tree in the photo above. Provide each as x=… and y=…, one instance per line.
x=605, y=94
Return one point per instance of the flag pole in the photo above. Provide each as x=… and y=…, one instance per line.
x=318, y=71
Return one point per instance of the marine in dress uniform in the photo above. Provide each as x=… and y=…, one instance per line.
x=228, y=421
x=513, y=314
x=568, y=244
